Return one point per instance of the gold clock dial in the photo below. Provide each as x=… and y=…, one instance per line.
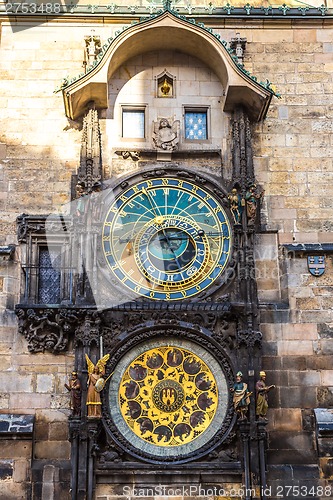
x=168, y=396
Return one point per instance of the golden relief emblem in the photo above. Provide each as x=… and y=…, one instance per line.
x=168, y=396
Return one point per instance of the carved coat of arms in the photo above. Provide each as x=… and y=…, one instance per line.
x=316, y=265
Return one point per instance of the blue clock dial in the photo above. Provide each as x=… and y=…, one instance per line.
x=167, y=239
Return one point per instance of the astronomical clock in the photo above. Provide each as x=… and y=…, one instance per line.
x=150, y=273
x=156, y=271
x=166, y=240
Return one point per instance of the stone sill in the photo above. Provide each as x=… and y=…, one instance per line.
x=7, y=252
x=16, y=426
x=308, y=248
x=139, y=306
x=177, y=153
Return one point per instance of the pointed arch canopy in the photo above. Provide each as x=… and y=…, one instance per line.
x=171, y=32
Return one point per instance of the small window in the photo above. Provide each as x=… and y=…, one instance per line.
x=133, y=126
x=196, y=124
x=49, y=277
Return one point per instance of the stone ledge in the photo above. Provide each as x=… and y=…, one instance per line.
x=12, y=425
x=293, y=472
x=324, y=422
x=176, y=153
x=310, y=248
x=7, y=252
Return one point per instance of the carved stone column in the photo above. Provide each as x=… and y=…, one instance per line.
x=90, y=169
x=74, y=433
x=262, y=436
x=244, y=428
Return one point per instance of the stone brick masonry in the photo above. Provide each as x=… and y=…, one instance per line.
x=293, y=154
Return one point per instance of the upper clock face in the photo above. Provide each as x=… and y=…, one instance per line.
x=167, y=239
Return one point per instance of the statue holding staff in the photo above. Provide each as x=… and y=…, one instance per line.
x=95, y=383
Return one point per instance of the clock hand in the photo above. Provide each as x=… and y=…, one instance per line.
x=159, y=220
x=200, y=233
x=172, y=251
x=159, y=217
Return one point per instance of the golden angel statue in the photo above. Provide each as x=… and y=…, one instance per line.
x=95, y=385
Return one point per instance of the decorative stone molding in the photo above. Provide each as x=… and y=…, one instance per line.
x=89, y=172
x=133, y=155
x=93, y=47
x=89, y=330
x=249, y=338
x=46, y=329
x=238, y=44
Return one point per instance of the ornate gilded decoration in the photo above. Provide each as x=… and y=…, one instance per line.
x=168, y=396
x=165, y=88
x=95, y=376
x=165, y=85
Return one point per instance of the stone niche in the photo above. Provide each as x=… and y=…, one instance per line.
x=324, y=435
x=16, y=434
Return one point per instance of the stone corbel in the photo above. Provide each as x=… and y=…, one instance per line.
x=249, y=338
x=46, y=329
x=89, y=330
x=133, y=155
x=7, y=252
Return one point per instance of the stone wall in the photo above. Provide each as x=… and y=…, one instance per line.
x=292, y=146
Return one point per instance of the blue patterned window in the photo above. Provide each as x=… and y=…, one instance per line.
x=49, y=277
x=196, y=125
x=134, y=123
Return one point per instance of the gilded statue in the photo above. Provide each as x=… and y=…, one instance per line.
x=252, y=197
x=262, y=396
x=95, y=384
